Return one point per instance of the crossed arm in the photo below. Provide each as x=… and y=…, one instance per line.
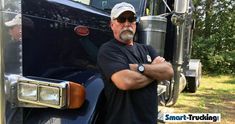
x=129, y=79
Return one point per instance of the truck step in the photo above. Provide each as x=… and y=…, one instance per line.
x=161, y=89
x=161, y=111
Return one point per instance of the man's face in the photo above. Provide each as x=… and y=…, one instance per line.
x=124, y=27
x=15, y=32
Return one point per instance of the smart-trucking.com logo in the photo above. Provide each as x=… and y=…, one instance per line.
x=192, y=117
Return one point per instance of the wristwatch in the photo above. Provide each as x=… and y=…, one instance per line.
x=140, y=68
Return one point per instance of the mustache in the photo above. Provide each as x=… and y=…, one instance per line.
x=126, y=34
x=130, y=30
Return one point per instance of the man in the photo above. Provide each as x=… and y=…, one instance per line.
x=14, y=26
x=13, y=55
x=130, y=71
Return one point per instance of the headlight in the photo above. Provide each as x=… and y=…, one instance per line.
x=28, y=91
x=51, y=93
x=42, y=93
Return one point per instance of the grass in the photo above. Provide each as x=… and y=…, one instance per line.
x=216, y=94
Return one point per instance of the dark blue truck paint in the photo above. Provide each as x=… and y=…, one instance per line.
x=51, y=49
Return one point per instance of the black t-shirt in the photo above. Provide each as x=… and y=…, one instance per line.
x=133, y=106
x=13, y=57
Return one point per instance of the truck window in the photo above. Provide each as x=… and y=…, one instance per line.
x=158, y=8
x=107, y=5
x=87, y=2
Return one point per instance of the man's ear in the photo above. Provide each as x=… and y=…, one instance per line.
x=110, y=24
x=10, y=31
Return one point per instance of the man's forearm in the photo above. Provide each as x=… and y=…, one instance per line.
x=129, y=80
x=160, y=71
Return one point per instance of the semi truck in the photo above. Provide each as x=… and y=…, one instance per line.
x=49, y=49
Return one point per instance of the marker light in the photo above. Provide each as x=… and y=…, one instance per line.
x=76, y=95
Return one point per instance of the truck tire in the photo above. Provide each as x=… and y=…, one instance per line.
x=192, y=84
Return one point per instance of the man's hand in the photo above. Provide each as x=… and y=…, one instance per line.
x=158, y=59
x=161, y=71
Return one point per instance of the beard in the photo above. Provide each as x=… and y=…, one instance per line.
x=126, y=34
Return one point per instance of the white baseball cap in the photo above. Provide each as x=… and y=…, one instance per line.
x=119, y=8
x=15, y=21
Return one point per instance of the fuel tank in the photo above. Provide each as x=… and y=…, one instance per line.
x=153, y=31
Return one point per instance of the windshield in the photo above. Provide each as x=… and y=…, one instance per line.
x=107, y=5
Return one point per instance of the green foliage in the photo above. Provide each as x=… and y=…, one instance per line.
x=214, y=37
x=214, y=60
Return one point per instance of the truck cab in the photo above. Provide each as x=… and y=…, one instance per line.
x=49, y=73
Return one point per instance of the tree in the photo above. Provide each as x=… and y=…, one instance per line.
x=214, y=37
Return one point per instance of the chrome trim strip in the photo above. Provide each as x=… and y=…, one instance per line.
x=2, y=92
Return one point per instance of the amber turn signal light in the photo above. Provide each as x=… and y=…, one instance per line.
x=76, y=95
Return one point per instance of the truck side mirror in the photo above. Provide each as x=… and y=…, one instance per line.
x=181, y=6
